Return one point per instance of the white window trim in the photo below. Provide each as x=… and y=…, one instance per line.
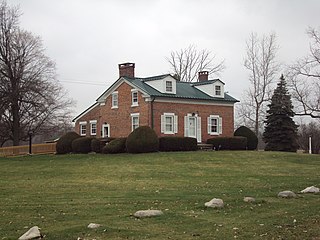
x=174, y=123
x=81, y=124
x=165, y=86
x=132, y=116
x=112, y=100
x=219, y=125
x=215, y=90
x=134, y=104
x=91, y=123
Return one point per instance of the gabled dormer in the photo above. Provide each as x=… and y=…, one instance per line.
x=214, y=88
x=167, y=84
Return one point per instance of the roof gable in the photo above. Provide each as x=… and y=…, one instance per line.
x=115, y=85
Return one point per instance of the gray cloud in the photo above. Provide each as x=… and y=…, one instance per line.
x=87, y=39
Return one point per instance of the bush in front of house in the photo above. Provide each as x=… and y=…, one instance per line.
x=168, y=144
x=64, y=144
x=250, y=135
x=97, y=145
x=82, y=145
x=117, y=145
x=142, y=140
x=228, y=143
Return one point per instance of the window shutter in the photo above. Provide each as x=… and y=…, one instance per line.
x=162, y=123
x=220, y=125
x=209, y=125
x=175, y=126
x=186, y=126
x=199, y=129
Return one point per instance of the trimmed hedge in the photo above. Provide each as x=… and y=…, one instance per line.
x=117, y=145
x=228, y=143
x=64, y=144
x=168, y=144
x=97, y=145
x=142, y=140
x=82, y=145
x=250, y=135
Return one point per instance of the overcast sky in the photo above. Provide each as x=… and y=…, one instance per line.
x=89, y=38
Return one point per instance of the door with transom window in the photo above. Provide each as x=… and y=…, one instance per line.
x=192, y=126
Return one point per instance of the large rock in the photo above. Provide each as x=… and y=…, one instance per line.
x=147, y=213
x=287, y=194
x=93, y=225
x=215, y=203
x=32, y=233
x=311, y=189
x=249, y=199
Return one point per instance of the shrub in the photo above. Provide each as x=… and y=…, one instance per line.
x=142, y=140
x=82, y=145
x=64, y=144
x=97, y=145
x=250, y=135
x=117, y=145
x=167, y=144
x=228, y=143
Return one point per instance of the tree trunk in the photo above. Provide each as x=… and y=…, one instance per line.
x=256, y=124
x=15, y=123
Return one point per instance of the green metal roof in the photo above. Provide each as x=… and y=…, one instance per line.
x=184, y=90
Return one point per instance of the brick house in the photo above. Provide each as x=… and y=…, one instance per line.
x=172, y=108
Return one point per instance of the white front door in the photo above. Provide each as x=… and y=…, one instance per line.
x=192, y=127
x=105, y=130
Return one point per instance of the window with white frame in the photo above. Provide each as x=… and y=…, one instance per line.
x=169, y=123
x=134, y=121
x=169, y=86
x=214, y=125
x=217, y=90
x=134, y=96
x=83, y=128
x=115, y=100
x=93, y=127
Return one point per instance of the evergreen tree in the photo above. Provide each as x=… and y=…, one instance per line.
x=281, y=131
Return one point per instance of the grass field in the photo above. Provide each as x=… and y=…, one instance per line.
x=62, y=194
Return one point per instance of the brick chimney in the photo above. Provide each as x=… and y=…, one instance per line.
x=203, y=76
x=126, y=70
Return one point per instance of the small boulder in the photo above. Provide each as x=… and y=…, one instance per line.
x=311, y=189
x=93, y=225
x=287, y=194
x=249, y=199
x=215, y=203
x=147, y=213
x=32, y=233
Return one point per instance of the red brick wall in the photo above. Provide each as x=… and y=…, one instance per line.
x=120, y=118
x=91, y=115
x=203, y=111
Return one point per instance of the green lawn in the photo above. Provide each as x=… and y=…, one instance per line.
x=62, y=194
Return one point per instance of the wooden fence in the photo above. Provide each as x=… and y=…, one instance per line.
x=24, y=150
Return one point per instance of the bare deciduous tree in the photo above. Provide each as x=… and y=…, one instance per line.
x=261, y=62
x=186, y=63
x=30, y=95
x=304, y=78
x=312, y=130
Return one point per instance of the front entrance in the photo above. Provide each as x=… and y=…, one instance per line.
x=192, y=126
x=105, y=130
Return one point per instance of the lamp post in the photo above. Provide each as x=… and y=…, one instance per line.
x=30, y=141
x=310, y=145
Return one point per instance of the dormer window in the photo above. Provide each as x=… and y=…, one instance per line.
x=217, y=90
x=168, y=86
